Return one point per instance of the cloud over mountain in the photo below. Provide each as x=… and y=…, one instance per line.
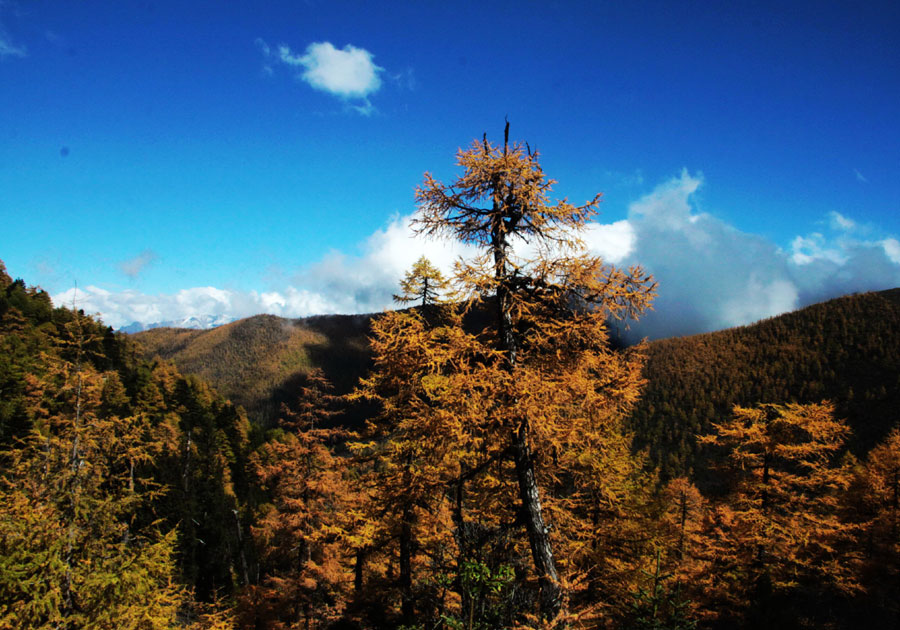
x=711, y=275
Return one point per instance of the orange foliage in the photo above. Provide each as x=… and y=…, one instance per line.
x=303, y=533
x=779, y=531
x=510, y=426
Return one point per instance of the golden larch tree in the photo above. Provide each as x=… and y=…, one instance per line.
x=423, y=285
x=874, y=503
x=302, y=534
x=547, y=378
x=779, y=529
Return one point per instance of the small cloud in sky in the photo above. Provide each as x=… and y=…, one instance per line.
x=840, y=222
x=134, y=266
x=266, y=51
x=263, y=46
x=405, y=79
x=8, y=48
x=348, y=73
x=860, y=177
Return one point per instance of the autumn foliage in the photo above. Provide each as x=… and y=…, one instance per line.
x=493, y=482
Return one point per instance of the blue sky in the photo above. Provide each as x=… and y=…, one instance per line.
x=178, y=158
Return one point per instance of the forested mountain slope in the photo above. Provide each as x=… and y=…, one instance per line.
x=846, y=350
x=256, y=362
x=123, y=483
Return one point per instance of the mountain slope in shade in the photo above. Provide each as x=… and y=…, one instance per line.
x=846, y=350
x=258, y=362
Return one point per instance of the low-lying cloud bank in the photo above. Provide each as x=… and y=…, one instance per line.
x=713, y=276
x=710, y=275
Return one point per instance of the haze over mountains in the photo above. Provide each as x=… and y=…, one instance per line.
x=711, y=274
x=193, y=322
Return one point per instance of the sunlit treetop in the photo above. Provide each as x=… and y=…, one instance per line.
x=423, y=283
x=503, y=191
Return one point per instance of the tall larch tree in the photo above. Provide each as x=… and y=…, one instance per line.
x=302, y=534
x=548, y=375
x=406, y=457
x=778, y=533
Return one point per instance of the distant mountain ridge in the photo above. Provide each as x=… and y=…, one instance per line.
x=846, y=350
x=192, y=322
x=257, y=362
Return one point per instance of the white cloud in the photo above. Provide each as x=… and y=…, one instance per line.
x=337, y=284
x=892, y=249
x=840, y=222
x=349, y=73
x=668, y=206
x=611, y=241
x=710, y=274
x=759, y=299
x=808, y=249
x=134, y=266
x=366, y=283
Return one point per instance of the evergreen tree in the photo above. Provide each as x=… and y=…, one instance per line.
x=72, y=553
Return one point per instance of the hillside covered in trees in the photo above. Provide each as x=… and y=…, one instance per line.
x=497, y=469
x=120, y=478
x=845, y=350
x=258, y=362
